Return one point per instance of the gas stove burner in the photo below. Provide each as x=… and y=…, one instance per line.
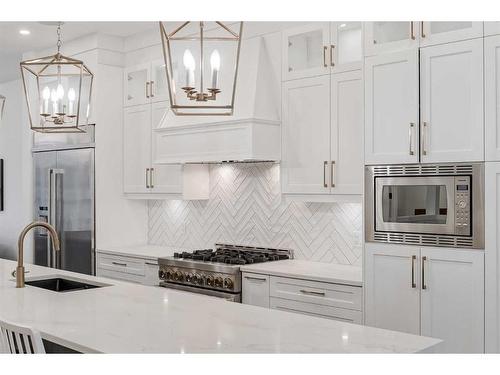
x=231, y=256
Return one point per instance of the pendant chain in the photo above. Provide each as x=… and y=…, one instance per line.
x=59, y=42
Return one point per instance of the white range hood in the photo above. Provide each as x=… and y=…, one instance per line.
x=251, y=134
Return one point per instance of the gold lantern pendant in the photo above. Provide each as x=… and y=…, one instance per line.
x=58, y=92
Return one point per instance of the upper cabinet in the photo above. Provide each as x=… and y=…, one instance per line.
x=492, y=97
x=388, y=36
x=451, y=103
x=391, y=108
x=491, y=28
x=321, y=48
x=145, y=83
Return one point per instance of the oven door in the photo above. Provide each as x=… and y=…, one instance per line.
x=415, y=204
x=233, y=297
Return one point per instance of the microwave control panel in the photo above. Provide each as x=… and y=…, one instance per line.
x=462, y=205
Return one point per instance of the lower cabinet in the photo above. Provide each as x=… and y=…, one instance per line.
x=136, y=270
x=436, y=292
x=326, y=300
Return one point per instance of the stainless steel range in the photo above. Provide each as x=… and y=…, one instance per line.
x=214, y=272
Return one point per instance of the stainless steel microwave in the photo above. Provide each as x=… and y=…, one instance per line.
x=424, y=204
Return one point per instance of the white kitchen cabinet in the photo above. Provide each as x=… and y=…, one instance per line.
x=346, y=46
x=145, y=83
x=439, y=32
x=451, y=89
x=436, y=292
x=492, y=258
x=306, y=135
x=392, y=108
x=320, y=48
x=392, y=296
x=387, y=36
x=346, y=144
x=140, y=175
x=452, y=298
x=306, y=51
x=127, y=268
x=255, y=289
x=492, y=97
x=491, y=28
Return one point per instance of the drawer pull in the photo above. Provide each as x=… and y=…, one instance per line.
x=151, y=264
x=119, y=264
x=321, y=294
x=255, y=278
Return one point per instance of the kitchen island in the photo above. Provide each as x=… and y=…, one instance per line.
x=128, y=318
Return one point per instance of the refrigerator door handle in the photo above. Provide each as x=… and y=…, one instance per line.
x=54, y=213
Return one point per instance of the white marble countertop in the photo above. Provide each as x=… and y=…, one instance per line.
x=130, y=318
x=141, y=251
x=303, y=269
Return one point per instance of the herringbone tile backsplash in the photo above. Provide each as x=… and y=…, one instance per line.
x=246, y=208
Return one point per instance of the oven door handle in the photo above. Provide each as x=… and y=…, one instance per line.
x=234, y=297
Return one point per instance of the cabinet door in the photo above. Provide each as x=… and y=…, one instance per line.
x=164, y=178
x=452, y=298
x=492, y=257
x=306, y=51
x=391, y=108
x=492, y=97
x=151, y=273
x=491, y=28
x=136, y=148
x=306, y=135
x=255, y=289
x=347, y=133
x=346, y=49
x=445, y=32
x=388, y=36
x=451, y=89
x=159, y=85
x=392, y=296
x=136, y=85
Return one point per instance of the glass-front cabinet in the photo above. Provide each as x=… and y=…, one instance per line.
x=321, y=48
x=438, y=32
x=390, y=36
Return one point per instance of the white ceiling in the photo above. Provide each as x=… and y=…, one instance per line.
x=12, y=44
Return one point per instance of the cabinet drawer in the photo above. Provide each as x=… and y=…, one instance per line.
x=327, y=294
x=322, y=311
x=120, y=276
x=121, y=264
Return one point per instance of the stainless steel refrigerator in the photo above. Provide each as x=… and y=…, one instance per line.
x=65, y=197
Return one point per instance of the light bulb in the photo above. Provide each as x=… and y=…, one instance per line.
x=60, y=91
x=215, y=60
x=53, y=95
x=188, y=59
x=46, y=93
x=71, y=94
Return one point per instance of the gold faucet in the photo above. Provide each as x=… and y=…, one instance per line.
x=20, y=246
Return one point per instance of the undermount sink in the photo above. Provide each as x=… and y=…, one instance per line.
x=59, y=284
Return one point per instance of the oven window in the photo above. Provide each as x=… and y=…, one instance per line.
x=417, y=204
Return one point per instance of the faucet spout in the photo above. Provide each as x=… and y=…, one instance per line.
x=20, y=247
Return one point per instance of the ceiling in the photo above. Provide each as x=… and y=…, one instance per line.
x=13, y=44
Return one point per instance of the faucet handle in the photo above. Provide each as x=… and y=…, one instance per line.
x=13, y=273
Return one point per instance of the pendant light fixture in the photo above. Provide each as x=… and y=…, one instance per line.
x=58, y=90
x=202, y=58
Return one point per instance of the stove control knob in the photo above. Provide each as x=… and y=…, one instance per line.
x=161, y=274
x=178, y=276
x=219, y=283
x=197, y=279
x=228, y=283
x=189, y=277
x=168, y=275
x=210, y=281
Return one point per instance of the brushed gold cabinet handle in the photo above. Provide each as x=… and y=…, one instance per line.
x=332, y=46
x=413, y=258
x=147, y=89
x=325, y=163
x=424, y=132
x=332, y=180
x=151, y=90
x=147, y=178
x=412, y=32
x=303, y=291
x=151, y=177
x=119, y=264
x=423, y=273
x=422, y=34
x=324, y=56
x=410, y=138
x=255, y=278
